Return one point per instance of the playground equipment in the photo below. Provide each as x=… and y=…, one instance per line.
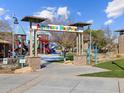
x=43, y=44
x=52, y=47
x=20, y=46
x=51, y=57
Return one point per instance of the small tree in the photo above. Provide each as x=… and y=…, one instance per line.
x=5, y=31
x=97, y=37
x=103, y=39
x=64, y=39
x=5, y=26
x=110, y=39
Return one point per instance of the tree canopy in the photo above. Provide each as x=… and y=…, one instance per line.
x=102, y=39
x=5, y=31
x=5, y=26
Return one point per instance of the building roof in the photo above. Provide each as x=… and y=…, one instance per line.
x=4, y=41
x=122, y=30
x=80, y=24
x=33, y=19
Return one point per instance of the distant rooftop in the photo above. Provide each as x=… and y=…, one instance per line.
x=122, y=30
x=4, y=41
x=33, y=19
x=80, y=24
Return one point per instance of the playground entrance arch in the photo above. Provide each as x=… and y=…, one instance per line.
x=72, y=28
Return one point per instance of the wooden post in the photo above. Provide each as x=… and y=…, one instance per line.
x=31, y=44
x=82, y=43
x=79, y=40
x=77, y=44
x=35, y=43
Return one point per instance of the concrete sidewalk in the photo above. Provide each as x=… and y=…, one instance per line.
x=10, y=82
x=59, y=78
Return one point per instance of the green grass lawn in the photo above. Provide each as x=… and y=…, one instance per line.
x=110, y=66
x=115, y=71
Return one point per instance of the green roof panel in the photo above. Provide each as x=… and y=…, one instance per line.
x=19, y=30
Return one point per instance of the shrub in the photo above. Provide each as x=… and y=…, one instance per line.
x=70, y=56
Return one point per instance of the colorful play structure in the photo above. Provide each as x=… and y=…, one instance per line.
x=44, y=44
x=20, y=46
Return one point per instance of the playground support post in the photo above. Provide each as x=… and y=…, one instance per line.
x=35, y=43
x=90, y=48
x=31, y=47
x=80, y=58
x=77, y=44
x=79, y=36
x=82, y=43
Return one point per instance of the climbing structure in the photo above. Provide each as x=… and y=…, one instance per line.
x=43, y=44
x=20, y=45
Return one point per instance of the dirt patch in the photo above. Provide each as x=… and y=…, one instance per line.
x=6, y=70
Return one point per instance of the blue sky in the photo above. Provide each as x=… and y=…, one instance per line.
x=76, y=10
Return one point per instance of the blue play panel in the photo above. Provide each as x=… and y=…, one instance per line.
x=51, y=57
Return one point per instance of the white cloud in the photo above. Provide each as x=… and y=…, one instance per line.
x=115, y=8
x=52, y=12
x=50, y=8
x=109, y=22
x=79, y=13
x=7, y=17
x=45, y=13
x=2, y=11
x=90, y=21
x=63, y=11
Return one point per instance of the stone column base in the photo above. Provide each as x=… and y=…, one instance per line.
x=33, y=62
x=80, y=60
x=120, y=54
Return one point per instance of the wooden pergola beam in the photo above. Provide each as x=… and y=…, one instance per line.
x=80, y=24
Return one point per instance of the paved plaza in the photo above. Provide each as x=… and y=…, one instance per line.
x=60, y=78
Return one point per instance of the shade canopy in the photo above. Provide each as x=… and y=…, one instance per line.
x=80, y=24
x=33, y=19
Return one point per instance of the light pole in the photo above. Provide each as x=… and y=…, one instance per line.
x=15, y=21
